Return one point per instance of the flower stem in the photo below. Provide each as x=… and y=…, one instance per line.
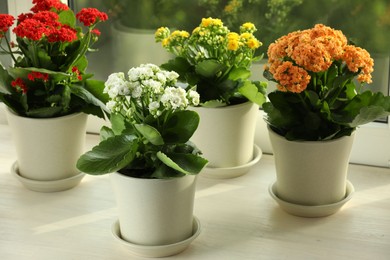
x=10, y=50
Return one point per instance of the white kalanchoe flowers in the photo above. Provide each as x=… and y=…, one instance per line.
x=116, y=85
x=147, y=90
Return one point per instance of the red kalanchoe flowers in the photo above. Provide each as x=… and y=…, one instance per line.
x=47, y=17
x=19, y=84
x=6, y=21
x=63, y=34
x=23, y=17
x=31, y=29
x=96, y=32
x=48, y=5
x=90, y=16
x=38, y=75
x=45, y=23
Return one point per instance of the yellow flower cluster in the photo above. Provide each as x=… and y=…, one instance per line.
x=209, y=22
x=211, y=39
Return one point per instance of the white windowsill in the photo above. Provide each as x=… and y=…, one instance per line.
x=239, y=218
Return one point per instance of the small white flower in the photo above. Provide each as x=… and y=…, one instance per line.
x=171, y=75
x=113, y=92
x=124, y=89
x=136, y=89
x=115, y=84
x=174, y=98
x=154, y=105
x=151, y=66
x=193, y=97
x=140, y=73
x=111, y=105
x=161, y=77
x=153, y=85
x=154, y=108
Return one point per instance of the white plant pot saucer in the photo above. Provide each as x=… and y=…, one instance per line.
x=311, y=211
x=232, y=172
x=157, y=251
x=47, y=186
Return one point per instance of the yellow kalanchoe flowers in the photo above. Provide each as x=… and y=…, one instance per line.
x=206, y=22
x=211, y=39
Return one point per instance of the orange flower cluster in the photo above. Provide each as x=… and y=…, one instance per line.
x=359, y=59
x=293, y=56
x=292, y=76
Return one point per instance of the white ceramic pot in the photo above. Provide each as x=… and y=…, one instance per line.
x=311, y=172
x=48, y=149
x=226, y=134
x=154, y=212
x=132, y=47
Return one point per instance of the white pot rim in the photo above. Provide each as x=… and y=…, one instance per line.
x=228, y=107
x=153, y=180
x=310, y=142
x=68, y=116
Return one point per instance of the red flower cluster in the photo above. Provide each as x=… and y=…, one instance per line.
x=6, y=21
x=96, y=32
x=63, y=34
x=90, y=16
x=31, y=29
x=46, y=17
x=48, y=5
x=44, y=23
x=19, y=84
x=38, y=75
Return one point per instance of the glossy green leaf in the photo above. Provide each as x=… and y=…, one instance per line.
x=180, y=126
x=87, y=96
x=209, y=68
x=364, y=108
x=251, y=92
x=18, y=72
x=67, y=17
x=213, y=104
x=109, y=155
x=118, y=124
x=239, y=73
x=5, y=81
x=150, y=133
x=105, y=133
x=44, y=112
x=185, y=163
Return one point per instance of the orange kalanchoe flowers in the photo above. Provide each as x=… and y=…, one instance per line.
x=317, y=97
x=294, y=57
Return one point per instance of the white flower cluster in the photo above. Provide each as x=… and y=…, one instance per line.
x=149, y=87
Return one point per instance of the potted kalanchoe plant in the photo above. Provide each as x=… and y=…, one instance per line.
x=217, y=61
x=313, y=114
x=48, y=77
x=153, y=164
x=47, y=86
